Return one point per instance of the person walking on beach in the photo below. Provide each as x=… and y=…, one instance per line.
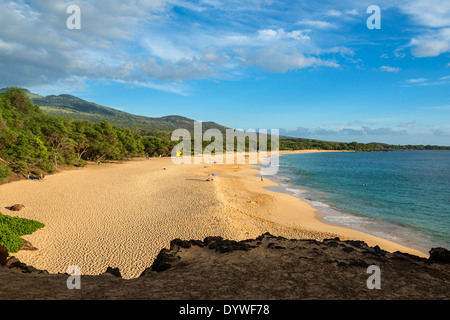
x=262, y=179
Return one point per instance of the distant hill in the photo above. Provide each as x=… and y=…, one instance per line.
x=65, y=105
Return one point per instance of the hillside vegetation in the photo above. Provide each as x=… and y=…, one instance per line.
x=35, y=143
x=66, y=105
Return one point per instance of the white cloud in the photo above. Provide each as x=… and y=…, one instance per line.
x=427, y=13
x=435, y=17
x=271, y=34
x=164, y=48
x=352, y=12
x=334, y=13
x=280, y=60
x=418, y=80
x=431, y=44
x=399, y=54
x=389, y=69
x=341, y=13
x=317, y=24
x=427, y=82
x=344, y=51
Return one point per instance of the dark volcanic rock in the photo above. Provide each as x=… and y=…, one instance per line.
x=180, y=243
x=223, y=246
x=208, y=240
x=18, y=266
x=113, y=271
x=265, y=268
x=163, y=260
x=440, y=254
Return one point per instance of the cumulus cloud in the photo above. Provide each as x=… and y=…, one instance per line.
x=431, y=44
x=121, y=41
x=144, y=41
x=434, y=16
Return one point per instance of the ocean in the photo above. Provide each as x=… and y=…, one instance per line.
x=403, y=196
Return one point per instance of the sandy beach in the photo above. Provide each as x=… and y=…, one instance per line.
x=122, y=215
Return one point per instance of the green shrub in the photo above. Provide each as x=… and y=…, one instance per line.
x=4, y=171
x=12, y=228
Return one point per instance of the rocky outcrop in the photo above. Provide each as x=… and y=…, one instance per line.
x=114, y=272
x=19, y=267
x=440, y=255
x=267, y=267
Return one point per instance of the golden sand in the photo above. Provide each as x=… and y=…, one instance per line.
x=122, y=215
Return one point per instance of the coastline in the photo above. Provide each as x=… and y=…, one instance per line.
x=330, y=213
x=290, y=211
x=121, y=215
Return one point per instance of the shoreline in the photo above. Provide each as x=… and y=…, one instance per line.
x=121, y=215
x=327, y=213
x=309, y=219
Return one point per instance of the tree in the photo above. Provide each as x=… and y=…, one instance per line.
x=56, y=133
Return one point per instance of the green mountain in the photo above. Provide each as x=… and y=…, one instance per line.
x=65, y=105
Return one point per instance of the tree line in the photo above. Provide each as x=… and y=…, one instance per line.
x=288, y=143
x=34, y=143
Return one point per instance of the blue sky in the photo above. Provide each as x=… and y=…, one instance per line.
x=310, y=69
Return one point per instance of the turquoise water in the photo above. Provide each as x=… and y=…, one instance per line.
x=403, y=196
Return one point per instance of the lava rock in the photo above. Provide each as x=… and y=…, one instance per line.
x=440, y=254
x=22, y=267
x=113, y=271
x=179, y=243
x=163, y=261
